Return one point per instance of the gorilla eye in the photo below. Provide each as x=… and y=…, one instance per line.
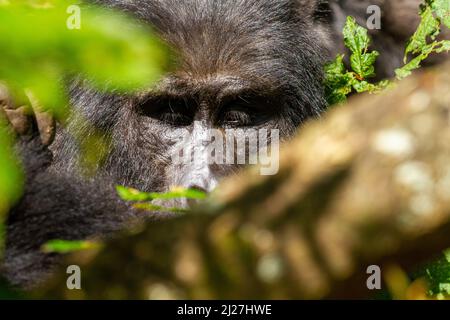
x=236, y=118
x=245, y=110
x=172, y=111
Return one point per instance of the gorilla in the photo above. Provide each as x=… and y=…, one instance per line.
x=242, y=64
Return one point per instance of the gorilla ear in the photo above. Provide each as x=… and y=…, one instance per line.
x=317, y=10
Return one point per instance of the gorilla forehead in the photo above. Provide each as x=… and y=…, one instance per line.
x=248, y=37
x=212, y=15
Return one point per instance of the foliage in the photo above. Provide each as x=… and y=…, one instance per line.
x=44, y=50
x=433, y=14
x=66, y=246
x=39, y=50
x=437, y=276
x=144, y=199
x=339, y=82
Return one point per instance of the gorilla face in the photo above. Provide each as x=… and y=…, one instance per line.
x=242, y=65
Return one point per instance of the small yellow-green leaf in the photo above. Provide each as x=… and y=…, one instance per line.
x=130, y=194
x=442, y=10
x=67, y=246
x=428, y=28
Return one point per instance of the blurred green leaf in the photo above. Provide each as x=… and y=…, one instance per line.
x=130, y=194
x=66, y=246
x=442, y=10
x=144, y=198
x=39, y=50
x=11, y=177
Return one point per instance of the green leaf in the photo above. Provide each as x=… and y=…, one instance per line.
x=442, y=10
x=428, y=28
x=143, y=198
x=355, y=36
x=38, y=50
x=67, y=246
x=443, y=46
x=338, y=82
x=407, y=69
x=130, y=194
x=44, y=50
x=415, y=63
x=357, y=40
x=336, y=67
x=363, y=65
x=438, y=274
x=363, y=86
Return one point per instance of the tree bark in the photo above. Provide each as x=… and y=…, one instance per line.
x=369, y=183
